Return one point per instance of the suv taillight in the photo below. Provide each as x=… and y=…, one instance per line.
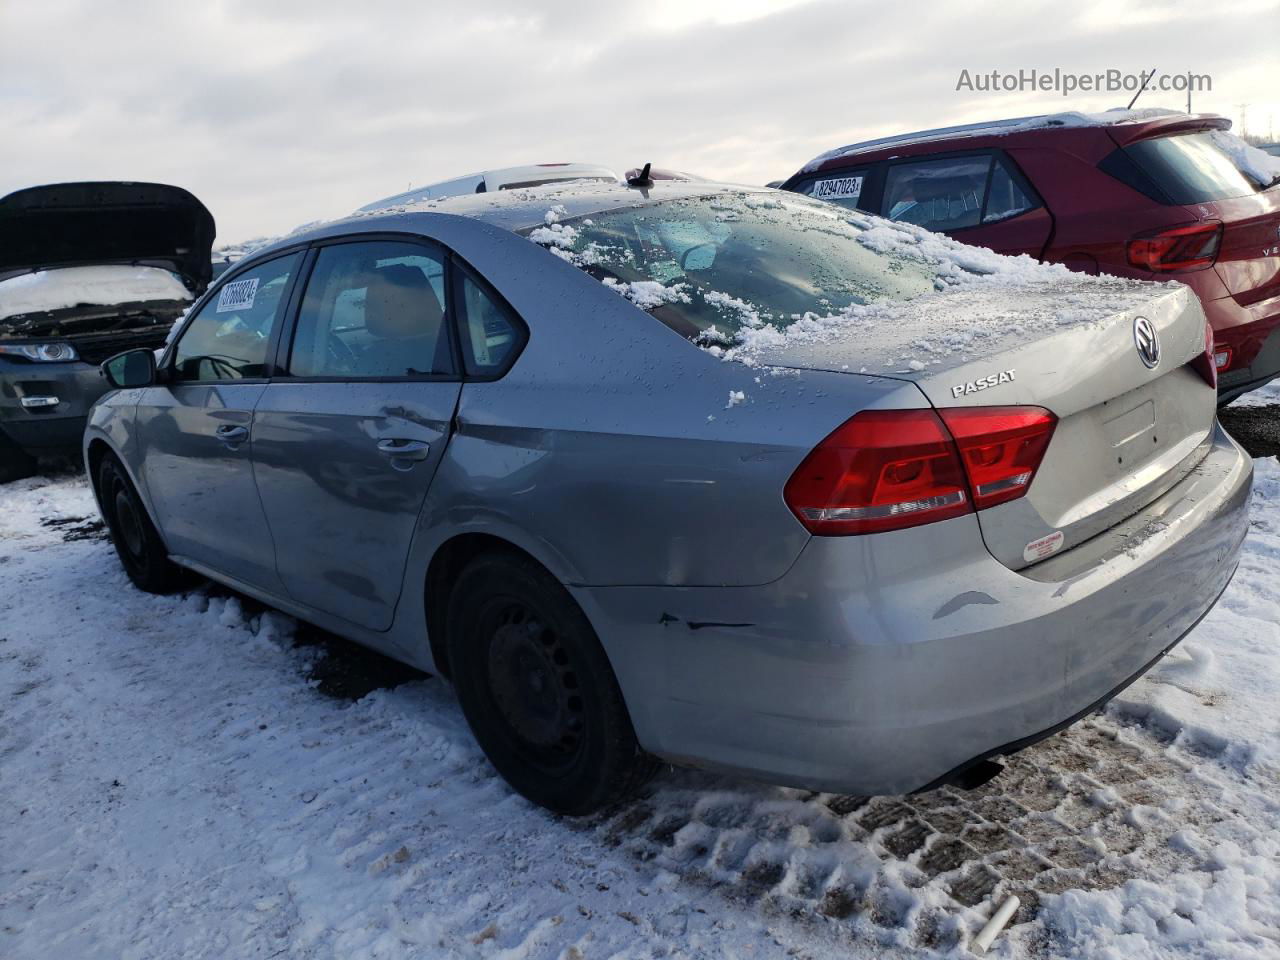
x=1182, y=248
x=1207, y=362
x=891, y=469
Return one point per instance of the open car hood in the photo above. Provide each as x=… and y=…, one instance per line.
x=80, y=224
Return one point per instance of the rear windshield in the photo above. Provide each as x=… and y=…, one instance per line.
x=1186, y=169
x=711, y=266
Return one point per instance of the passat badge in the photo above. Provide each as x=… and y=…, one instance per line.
x=1147, y=341
x=983, y=383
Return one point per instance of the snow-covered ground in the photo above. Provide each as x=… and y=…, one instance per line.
x=175, y=782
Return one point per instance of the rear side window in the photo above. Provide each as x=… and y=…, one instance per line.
x=373, y=310
x=490, y=335
x=844, y=188
x=937, y=194
x=228, y=338
x=1005, y=196
x=1178, y=170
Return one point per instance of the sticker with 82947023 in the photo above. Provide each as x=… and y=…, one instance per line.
x=846, y=188
x=238, y=295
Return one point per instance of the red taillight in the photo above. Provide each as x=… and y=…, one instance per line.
x=891, y=469
x=1211, y=359
x=882, y=470
x=1182, y=248
x=1001, y=448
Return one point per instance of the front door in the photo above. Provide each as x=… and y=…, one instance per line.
x=347, y=438
x=196, y=427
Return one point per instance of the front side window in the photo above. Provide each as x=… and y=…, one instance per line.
x=374, y=309
x=228, y=339
x=716, y=266
x=938, y=195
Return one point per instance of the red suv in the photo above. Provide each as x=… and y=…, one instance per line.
x=1155, y=198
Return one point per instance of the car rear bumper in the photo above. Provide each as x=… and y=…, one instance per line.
x=58, y=397
x=878, y=665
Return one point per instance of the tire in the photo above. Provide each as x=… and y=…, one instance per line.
x=138, y=545
x=15, y=463
x=537, y=689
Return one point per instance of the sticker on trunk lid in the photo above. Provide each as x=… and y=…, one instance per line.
x=238, y=295
x=1043, y=547
x=846, y=188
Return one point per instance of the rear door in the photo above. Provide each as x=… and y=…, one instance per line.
x=195, y=427
x=978, y=198
x=347, y=438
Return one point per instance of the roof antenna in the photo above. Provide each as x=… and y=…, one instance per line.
x=1145, y=80
x=641, y=179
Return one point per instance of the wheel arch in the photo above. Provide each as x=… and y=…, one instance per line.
x=94, y=454
x=96, y=449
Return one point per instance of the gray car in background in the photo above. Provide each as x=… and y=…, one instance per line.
x=86, y=270
x=711, y=474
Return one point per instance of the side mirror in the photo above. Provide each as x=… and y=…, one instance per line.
x=133, y=368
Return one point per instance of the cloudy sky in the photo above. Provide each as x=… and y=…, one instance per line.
x=289, y=111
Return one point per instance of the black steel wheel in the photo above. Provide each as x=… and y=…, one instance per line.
x=537, y=689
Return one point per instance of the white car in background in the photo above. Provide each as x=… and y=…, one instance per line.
x=506, y=178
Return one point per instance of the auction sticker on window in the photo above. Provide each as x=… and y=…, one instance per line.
x=1043, y=547
x=238, y=295
x=846, y=188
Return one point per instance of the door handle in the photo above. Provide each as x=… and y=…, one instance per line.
x=229, y=433
x=404, y=449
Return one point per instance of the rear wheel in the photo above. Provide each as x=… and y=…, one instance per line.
x=537, y=689
x=15, y=463
x=138, y=544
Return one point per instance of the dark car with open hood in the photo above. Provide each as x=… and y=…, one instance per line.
x=87, y=270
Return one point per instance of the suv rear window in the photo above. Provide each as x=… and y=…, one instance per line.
x=1184, y=169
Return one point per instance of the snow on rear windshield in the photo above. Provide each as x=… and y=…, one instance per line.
x=738, y=269
x=714, y=267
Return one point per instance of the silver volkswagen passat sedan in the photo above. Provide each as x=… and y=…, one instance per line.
x=711, y=474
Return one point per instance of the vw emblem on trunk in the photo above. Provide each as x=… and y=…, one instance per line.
x=1147, y=341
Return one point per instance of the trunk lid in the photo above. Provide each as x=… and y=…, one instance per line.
x=1126, y=432
x=82, y=224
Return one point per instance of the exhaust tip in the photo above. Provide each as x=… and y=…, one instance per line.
x=980, y=774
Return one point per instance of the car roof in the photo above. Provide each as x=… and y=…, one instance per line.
x=515, y=210
x=1124, y=126
x=496, y=179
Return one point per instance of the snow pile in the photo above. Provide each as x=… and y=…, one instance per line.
x=1258, y=165
x=98, y=285
x=924, y=297
x=984, y=302
x=648, y=294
